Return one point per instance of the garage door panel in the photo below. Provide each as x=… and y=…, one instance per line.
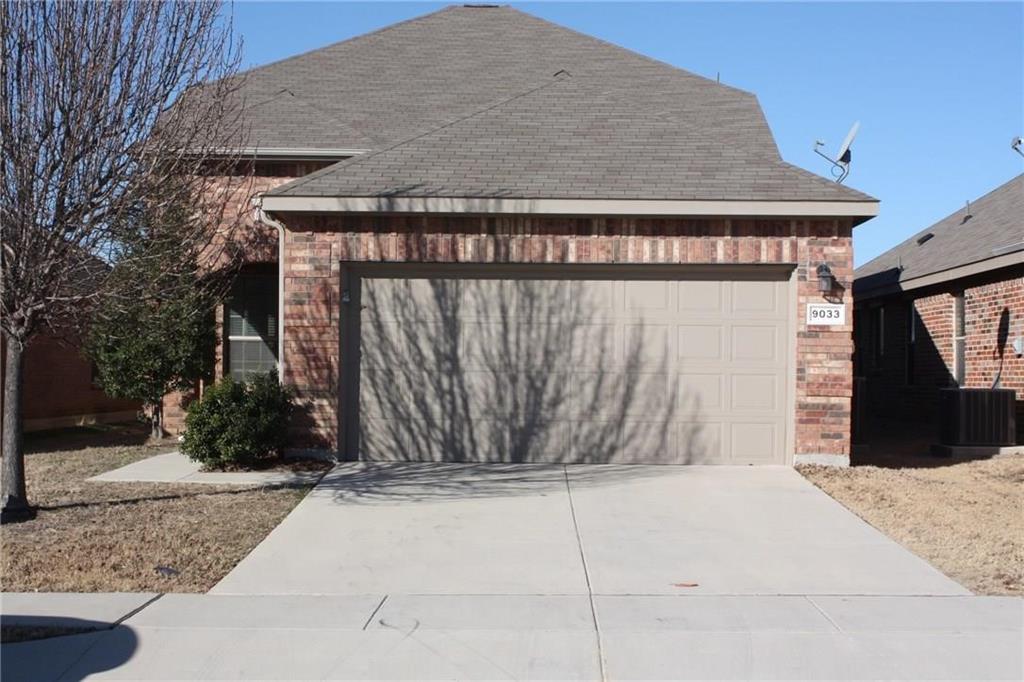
x=597, y=346
x=700, y=442
x=754, y=442
x=384, y=439
x=751, y=299
x=699, y=394
x=456, y=439
x=483, y=394
x=651, y=441
x=597, y=394
x=597, y=299
x=538, y=396
x=618, y=393
x=484, y=346
x=700, y=298
x=684, y=371
x=487, y=299
x=701, y=343
x=543, y=302
x=755, y=392
x=540, y=441
x=648, y=347
x=410, y=344
x=595, y=441
x=756, y=344
x=644, y=296
x=411, y=299
x=384, y=393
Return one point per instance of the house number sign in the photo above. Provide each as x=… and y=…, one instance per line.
x=828, y=314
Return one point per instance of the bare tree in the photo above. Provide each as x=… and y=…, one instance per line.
x=110, y=111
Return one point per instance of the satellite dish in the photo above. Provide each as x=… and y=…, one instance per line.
x=843, y=156
x=841, y=163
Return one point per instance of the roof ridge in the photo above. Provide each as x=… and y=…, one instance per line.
x=355, y=160
x=631, y=52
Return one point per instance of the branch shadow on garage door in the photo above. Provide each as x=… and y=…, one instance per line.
x=489, y=371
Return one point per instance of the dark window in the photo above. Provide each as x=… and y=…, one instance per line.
x=877, y=336
x=252, y=326
x=911, y=341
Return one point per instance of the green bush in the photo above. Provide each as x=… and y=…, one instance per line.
x=238, y=424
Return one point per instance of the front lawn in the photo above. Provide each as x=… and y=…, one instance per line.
x=129, y=537
x=966, y=518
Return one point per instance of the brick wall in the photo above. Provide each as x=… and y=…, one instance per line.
x=259, y=244
x=315, y=246
x=987, y=305
x=59, y=391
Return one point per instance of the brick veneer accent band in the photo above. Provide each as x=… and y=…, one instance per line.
x=315, y=247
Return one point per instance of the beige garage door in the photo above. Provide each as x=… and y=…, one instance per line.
x=598, y=368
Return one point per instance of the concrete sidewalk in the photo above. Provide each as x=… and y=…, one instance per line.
x=377, y=637
x=174, y=467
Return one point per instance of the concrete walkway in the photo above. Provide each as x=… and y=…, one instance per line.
x=174, y=467
x=546, y=572
x=102, y=609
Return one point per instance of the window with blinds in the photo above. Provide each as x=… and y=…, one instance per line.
x=252, y=326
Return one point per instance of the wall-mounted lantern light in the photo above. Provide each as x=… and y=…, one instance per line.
x=826, y=280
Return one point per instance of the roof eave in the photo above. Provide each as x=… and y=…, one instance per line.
x=288, y=153
x=940, y=277
x=858, y=210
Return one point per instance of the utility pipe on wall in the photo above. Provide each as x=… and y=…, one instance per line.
x=264, y=218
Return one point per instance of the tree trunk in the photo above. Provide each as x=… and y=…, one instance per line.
x=14, y=499
x=156, y=421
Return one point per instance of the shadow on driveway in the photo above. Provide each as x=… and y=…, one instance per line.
x=404, y=482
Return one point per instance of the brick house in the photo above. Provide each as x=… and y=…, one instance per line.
x=945, y=308
x=60, y=388
x=501, y=240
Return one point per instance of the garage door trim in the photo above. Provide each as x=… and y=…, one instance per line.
x=352, y=273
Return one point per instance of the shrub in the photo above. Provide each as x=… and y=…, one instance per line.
x=238, y=424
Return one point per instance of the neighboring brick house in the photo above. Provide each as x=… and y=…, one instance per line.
x=60, y=388
x=945, y=308
x=527, y=244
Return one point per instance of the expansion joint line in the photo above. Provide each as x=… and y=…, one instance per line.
x=586, y=575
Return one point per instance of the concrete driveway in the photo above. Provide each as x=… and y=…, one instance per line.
x=549, y=572
x=576, y=530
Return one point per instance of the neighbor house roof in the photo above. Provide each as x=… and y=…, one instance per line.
x=985, y=235
x=492, y=103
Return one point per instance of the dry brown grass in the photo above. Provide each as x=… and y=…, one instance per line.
x=100, y=537
x=966, y=518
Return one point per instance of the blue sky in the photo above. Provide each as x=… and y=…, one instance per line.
x=938, y=87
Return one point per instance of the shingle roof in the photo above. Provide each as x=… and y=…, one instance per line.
x=995, y=228
x=495, y=102
x=568, y=139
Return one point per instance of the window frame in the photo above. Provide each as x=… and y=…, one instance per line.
x=911, y=342
x=272, y=313
x=959, y=339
